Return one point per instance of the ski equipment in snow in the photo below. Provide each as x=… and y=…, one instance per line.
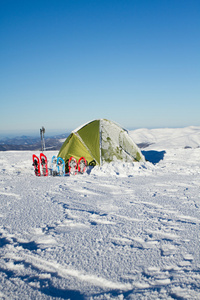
x=36, y=164
x=72, y=164
x=60, y=166
x=42, y=132
x=43, y=161
x=82, y=164
x=53, y=168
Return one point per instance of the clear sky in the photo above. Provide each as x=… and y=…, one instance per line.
x=66, y=62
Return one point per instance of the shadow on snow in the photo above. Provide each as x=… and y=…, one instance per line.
x=154, y=156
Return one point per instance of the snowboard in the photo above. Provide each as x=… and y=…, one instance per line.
x=53, y=167
x=60, y=163
x=36, y=164
x=82, y=164
x=44, y=164
x=72, y=165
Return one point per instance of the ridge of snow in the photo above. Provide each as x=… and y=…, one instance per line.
x=164, y=138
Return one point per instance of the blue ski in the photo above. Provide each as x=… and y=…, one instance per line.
x=60, y=166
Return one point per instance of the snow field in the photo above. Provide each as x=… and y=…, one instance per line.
x=123, y=231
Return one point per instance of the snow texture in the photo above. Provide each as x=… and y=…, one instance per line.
x=121, y=231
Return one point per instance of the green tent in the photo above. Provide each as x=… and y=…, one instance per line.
x=100, y=141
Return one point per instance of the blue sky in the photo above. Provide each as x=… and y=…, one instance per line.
x=66, y=62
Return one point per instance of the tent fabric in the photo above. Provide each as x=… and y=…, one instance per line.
x=100, y=141
x=74, y=147
x=90, y=135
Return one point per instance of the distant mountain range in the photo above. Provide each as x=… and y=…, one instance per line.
x=187, y=137
x=32, y=143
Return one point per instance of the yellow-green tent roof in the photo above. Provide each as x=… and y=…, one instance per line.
x=100, y=141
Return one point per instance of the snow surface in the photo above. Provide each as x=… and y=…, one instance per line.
x=122, y=231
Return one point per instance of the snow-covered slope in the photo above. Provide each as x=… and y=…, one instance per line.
x=123, y=231
x=165, y=138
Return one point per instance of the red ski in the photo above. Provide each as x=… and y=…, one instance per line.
x=43, y=160
x=82, y=164
x=36, y=164
x=72, y=164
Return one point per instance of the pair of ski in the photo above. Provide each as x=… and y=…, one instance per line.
x=57, y=166
x=40, y=165
x=77, y=167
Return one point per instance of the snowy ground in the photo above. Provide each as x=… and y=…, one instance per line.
x=119, y=232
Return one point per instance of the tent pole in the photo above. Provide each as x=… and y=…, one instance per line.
x=100, y=141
